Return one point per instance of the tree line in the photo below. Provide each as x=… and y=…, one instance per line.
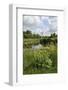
x=44, y=40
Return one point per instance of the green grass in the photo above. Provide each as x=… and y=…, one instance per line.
x=29, y=42
x=40, y=61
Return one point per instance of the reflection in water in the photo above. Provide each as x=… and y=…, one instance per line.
x=36, y=46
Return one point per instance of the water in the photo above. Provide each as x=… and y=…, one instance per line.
x=36, y=46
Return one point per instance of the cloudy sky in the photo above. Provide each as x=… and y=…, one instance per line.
x=43, y=25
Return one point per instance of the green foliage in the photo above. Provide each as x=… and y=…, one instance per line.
x=43, y=60
x=53, y=35
x=28, y=34
x=48, y=40
x=40, y=61
x=29, y=42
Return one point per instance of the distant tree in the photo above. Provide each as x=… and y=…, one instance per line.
x=28, y=32
x=53, y=35
x=36, y=35
x=49, y=39
x=44, y=41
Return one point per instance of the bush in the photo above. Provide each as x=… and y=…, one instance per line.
x=46, y=41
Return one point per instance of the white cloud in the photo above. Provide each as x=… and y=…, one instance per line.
x=40, y=24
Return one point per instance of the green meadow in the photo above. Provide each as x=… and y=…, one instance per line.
x=40, y=60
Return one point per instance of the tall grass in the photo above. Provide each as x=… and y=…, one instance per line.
x=42, y=60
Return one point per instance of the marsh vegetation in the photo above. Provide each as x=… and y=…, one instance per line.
x=39, y=53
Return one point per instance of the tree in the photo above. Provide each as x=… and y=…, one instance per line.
x=53, y=35
x=28, y=32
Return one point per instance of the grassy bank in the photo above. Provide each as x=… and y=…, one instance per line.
x=39, y=61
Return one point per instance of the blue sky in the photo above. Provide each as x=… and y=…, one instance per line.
x=43, y=25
